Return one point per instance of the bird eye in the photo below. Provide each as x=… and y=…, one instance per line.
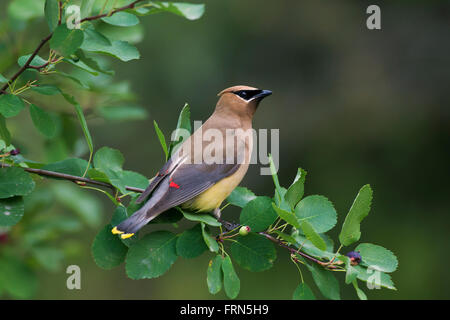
x=243, y=94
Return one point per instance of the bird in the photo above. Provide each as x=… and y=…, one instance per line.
x=203, y=171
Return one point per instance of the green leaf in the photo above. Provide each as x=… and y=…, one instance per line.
x=107, y=249
x=122, y=113
x=36, y=62
x=189, y=11
x=72, y=166
x=303, y=292
x=119, y=49
x=81, y=65
x=295, y=192
x=66, y=41
x=209, y=240
x=312, y=235
x=190, y=243
x=10, y=105
x=82, y=120
x=108, y=158
x=152, y=255
x=48, y=257
x=377, y=257
x=170, y=216
x=285, y=237
x=16, y=278
x=161, y=138
x=258, y=214
x=11, y=211
x=182, y=129
x=374, y=278
x=240, y=196
x=231, y=282
x=351, y=273
x=119, y=215
x=318, y=211
x=93, y=39
x=42, y=121
x=4, y=132
x=92, y=62
x=26, y=9
x=309, y=248
x=133, y=179
x=200, y=217
x=359, y=292
x=254, y=252
x=122, y=19
x=287, y=216
x=46, y=89
x=360, y=208
x=51, y=11
x=214, y=274
x=15, y=181
x=326, y=282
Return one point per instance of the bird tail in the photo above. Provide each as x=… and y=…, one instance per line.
x=136, y=221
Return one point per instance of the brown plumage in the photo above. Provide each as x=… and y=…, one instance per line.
x=206, y=168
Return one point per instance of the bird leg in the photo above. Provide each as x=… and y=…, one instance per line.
x=227, y=225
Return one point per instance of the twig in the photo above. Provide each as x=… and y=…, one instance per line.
x=47, y=38
x=73, y=178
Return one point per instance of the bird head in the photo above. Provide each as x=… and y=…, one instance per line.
x=241, y=100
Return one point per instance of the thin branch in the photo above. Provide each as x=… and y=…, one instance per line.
x=47, y=38
x=73, y=178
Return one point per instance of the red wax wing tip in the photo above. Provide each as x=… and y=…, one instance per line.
x=173, y=185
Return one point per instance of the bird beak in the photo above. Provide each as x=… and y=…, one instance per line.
x=262, y=94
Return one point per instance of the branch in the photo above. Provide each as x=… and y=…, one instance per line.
x=73, y=178
x=226, y=224
x=47, y=38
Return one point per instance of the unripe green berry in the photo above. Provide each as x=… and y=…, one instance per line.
x=244, y=230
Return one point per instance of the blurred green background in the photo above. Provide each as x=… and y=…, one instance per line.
x=354, y=106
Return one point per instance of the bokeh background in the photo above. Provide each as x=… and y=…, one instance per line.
x=354, y=106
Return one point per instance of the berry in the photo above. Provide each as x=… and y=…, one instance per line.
x=244, y=230
x=14, y=152
x=355, y=257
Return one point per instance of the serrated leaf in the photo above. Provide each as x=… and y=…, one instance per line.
x=318, y=211
x=151, y=256
x=15, y=181
x=72, y=166
x=253, y=252
x=36, y=62
x=240, y=196
x=231, y=282
x=377, y=257
x=287, y=216
x=295, y=192
x=92, y=62
x=312, y=235
x=360, y=208
x=10, y=105
x=374, y=278
x=183, y=129
x=119, y=49
x=11, y=211
x=190, y=243
x=214, y=274
x=121, y=19
x=258, y=214
x=108, y=158
x=66, y=41
x=209, y=240
x=161, y=139
x=42, y=121
x=107, y=249
x=308, y=247
x=303, y=292
x=326, y=282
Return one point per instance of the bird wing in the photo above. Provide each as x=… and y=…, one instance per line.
x=188, y=181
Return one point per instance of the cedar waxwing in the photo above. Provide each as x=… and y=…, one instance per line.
x=207, y=166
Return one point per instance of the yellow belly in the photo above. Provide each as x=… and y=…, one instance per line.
x=214, y=196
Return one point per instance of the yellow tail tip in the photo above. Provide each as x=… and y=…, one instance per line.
x=126, y=235
x=115, y=231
